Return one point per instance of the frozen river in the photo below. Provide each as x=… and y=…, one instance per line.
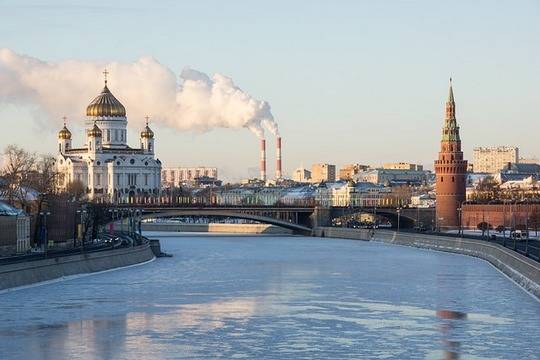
x=277, y=298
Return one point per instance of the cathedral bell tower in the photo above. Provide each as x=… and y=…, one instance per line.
x=64, y=139
x=94, y=136
x=147, y=139
x=450, y=170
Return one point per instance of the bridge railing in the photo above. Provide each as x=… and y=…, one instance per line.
x=257, y=200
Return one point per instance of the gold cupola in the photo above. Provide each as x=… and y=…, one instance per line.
x=147, y=132
x=64, y=133
x=105, y=104
x=95, y=131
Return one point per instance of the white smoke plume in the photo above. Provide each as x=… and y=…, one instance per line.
x=193, y=102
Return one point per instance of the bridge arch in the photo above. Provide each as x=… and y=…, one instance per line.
x=405, y=220
x=166, y=213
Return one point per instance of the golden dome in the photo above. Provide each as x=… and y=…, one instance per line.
x=147, y=132
x=64, y=133
x=105, y=104
x=95, y=131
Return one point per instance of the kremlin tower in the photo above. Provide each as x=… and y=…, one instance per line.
x=450, y=170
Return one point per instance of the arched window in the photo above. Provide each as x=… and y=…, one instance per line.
x=442, y=179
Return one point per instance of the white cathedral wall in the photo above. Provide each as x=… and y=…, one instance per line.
x=114, y=130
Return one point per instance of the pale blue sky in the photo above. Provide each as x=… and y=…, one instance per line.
x=348, y=81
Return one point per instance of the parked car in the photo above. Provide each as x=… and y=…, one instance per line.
x=519, y=234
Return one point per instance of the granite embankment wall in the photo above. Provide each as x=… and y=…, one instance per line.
x=217, y=228
x=30, y=272
x=524, y=271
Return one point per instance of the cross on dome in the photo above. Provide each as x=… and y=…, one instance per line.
x=105, y=73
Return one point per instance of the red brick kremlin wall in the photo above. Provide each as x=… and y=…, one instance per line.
x=508, y=215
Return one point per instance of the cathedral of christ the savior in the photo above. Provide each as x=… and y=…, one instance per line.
x=105, y=165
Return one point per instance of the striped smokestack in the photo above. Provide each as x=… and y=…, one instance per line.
x=263, y=160
x=278, y=158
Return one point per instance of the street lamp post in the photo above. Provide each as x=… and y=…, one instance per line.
x=44, y=215
x=131, y=222
x=138, y=224
x=121, y=216
x=116, y=215
x=111, y=225
x=82, y=212
x=398, y=210
x=75, y=229
x=460, y=212
x=439, y=221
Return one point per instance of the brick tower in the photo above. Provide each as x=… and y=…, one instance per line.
x=450, y=169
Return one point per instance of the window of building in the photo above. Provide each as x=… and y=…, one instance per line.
x=132, y=179
x=442, y=179
x=98, y=179
x=108, y=135
x=146, y=179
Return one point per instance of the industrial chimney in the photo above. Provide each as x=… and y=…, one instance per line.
x=278, y=158
x=263, y=160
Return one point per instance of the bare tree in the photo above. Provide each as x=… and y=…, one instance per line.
x=19, y=166
x=43, y=180
x=487, y=189
x=76, y=190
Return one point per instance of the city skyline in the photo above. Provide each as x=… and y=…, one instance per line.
x=359, y=85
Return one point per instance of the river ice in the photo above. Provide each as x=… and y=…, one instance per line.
x=269, y=297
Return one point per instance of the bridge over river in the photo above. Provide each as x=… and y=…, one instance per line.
x=300, y=219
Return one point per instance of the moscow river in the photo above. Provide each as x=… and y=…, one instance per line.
x=270, y=297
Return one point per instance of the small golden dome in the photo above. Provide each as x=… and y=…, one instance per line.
x=147, y=132
x=105, y=104
x=95, y=131
x=64, y=133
